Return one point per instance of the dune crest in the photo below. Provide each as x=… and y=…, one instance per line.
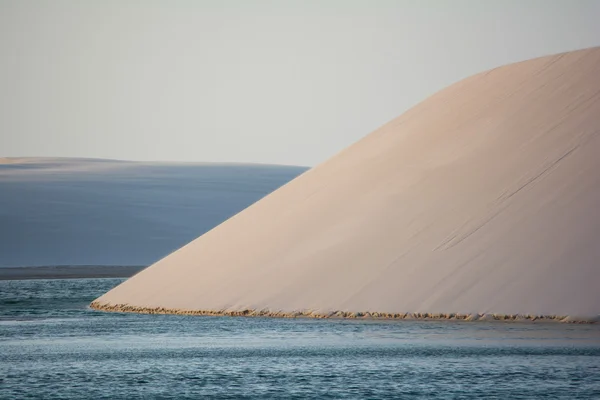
x=479, y=203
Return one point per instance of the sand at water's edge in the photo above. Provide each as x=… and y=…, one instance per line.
x=68, y=272
x=351, y=315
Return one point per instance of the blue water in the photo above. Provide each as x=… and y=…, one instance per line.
x=53, y=346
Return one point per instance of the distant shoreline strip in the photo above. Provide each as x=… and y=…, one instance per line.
x=69, y=272
x=472, y=317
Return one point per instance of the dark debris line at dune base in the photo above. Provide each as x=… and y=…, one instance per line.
x=470, y=317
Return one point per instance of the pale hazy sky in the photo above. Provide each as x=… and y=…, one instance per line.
x=289, y=82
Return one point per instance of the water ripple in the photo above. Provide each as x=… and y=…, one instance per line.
x=53, y=346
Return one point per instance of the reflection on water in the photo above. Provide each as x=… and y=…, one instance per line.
x=53, y=346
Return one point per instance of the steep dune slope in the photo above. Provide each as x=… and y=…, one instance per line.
x=484, y=198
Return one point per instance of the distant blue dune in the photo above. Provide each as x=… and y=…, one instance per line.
x=98, y=212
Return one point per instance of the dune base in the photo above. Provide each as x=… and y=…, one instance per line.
x=470, y=317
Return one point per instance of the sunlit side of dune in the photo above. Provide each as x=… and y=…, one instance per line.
x=480, y=202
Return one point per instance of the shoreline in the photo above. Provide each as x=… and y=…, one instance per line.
x=68, y=272
x=467, y=317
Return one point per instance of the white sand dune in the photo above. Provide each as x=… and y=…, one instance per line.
x=483, y=200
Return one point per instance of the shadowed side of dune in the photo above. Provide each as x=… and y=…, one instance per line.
x=65, y=211
x=478, y=203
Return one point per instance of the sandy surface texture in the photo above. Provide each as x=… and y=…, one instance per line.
x=482, y=200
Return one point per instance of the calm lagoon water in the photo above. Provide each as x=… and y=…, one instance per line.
x=53, y=346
